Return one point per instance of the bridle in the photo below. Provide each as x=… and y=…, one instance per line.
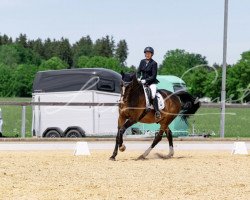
x=124, y=84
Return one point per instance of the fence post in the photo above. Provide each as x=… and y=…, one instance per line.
x=23, y=121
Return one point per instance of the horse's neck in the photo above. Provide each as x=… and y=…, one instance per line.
x=136, y=96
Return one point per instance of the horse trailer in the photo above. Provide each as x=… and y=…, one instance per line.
x=88, y=85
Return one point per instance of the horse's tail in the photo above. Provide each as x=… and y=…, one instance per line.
x=190, y=104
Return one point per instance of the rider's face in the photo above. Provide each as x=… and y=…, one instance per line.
x=148, y=55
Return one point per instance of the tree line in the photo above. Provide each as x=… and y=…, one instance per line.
x=21, y=58
x=203, y=80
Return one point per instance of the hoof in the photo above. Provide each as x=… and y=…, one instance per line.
x=141, y=157
x=163, y=156
x=112, y=158
x=122, y=148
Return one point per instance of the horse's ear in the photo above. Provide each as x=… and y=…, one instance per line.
x=122, y=73
x=134, y=76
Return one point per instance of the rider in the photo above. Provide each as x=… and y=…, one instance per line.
x=147, y=73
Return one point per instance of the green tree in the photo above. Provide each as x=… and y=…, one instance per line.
x=96, y=61
x=121, y=52
x=82, y=61
x=27, y=56
x=212, y=84
x=53, y=63
x=84, y=47
x=103, y=62
x=104, y=47
x=113, y=63
x=12, y=55
x=177, y=62
x=64, y=51
x=5, y=80
x=23, y=80
x=49, y=47
x=5, y=40
x=9, y=55
x=238, y=79
x=22, y=40
x=37, y=46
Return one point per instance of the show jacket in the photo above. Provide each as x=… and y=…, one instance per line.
x=148, y=71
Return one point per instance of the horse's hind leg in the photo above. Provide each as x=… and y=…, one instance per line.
x=170, y=140
x=171, y=147
x=157, y=139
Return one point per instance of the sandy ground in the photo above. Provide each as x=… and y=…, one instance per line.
x=60, y=175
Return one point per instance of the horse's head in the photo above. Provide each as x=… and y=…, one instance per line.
x=129, y=84
x=128, y=78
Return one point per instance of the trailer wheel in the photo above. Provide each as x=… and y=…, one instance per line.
x=52, y=134
x=73, y=133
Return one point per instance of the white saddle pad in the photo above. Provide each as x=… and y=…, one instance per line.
x=161, y=103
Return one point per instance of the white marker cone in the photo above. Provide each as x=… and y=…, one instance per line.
x=240, y=148
x=81, y=149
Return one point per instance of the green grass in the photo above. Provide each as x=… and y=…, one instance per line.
x=207, y=120
x=237, y=121
x=12, y=116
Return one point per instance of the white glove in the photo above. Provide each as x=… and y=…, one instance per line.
x=139, y=80
x=143, y=81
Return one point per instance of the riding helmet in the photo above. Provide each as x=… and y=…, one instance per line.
x=149, y=49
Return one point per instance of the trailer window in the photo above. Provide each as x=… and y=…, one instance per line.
x=106, y=85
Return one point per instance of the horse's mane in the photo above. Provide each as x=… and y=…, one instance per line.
x=133, y=93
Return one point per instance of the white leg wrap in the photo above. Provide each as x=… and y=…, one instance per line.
x=171, y=151
x=147, y=152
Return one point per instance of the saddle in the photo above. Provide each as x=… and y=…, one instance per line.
x=149, y=100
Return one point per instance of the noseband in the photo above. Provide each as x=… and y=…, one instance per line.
x=125, y=83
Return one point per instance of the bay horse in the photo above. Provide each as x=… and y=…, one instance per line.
x=132, y=109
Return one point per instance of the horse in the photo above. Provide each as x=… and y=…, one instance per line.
x=132, y=109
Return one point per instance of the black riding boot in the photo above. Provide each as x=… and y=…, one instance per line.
x=157, y=111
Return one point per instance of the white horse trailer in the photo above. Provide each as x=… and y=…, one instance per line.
x=88, y=85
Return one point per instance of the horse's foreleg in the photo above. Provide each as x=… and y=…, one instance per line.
x=121, y=121
x=116, y=147
x=170, y=140
x=118, y=143
x=122, y=130
x=119, y=136
x=157, y=139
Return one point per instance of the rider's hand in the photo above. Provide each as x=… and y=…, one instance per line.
x=139, y=80
x=143, y=81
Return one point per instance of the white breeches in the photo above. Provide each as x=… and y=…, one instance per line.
x=153, y=90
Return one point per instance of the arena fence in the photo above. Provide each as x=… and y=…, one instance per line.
x=25, y=104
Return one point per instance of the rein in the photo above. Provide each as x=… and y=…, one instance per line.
x=124, y=85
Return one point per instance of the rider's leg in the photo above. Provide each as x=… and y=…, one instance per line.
x=155, y=101
x=153, y=90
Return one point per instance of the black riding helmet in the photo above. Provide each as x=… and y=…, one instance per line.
x=149, y=49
